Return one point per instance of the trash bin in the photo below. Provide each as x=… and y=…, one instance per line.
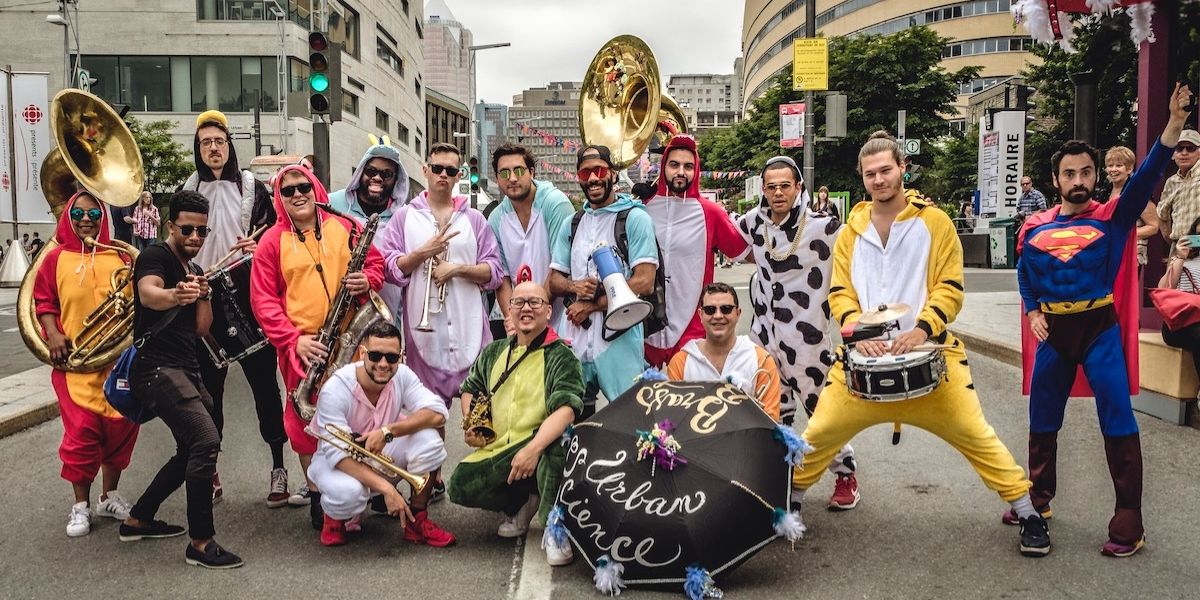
x=1003, y=232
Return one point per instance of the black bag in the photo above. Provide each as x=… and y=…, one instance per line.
x=656, y=321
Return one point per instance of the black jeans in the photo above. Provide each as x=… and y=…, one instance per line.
x=259, y=369
x=179, y=399
x=1187, y=338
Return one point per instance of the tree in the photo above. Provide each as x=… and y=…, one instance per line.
x=878, y=74
x=166, y=162
x=954, y=175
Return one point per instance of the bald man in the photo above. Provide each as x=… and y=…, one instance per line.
x=533, y=379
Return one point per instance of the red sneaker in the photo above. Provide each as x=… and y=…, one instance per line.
x=845, y=493
x=423, y=531
x=333, y=533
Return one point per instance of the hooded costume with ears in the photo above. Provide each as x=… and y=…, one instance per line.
x=296, y=275
x=71, y=283
x=680, y=222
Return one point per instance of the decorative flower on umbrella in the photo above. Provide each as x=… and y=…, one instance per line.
x=660, y=445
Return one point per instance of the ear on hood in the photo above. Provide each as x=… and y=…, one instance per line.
x=382, y=149
x=64, y=232
x=680, y=141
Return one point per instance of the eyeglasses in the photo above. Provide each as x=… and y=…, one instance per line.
x=781, y=187
x=288, y=190
x=533, y=303
x=200, y=230
x=384, y=174
x=507, y=173
x=1185, y=148
x=376, y=356
x=726, y=309
x=218, y=142
x=92, y=213
x=450, y=171
x=584, y=174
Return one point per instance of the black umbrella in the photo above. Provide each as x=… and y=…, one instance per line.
x=710, y=490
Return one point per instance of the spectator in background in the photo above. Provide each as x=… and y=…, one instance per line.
x=966, y=217
x=822, y=205
x=145, y=221
x=35, y=245
x=122, y=223
x=1180, y=201
x=1118, y=164
x=25, y=243
x=1032, y=201
x=1183, y=273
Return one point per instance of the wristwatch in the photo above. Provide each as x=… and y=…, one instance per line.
x=387, y=436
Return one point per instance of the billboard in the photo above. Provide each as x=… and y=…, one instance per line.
x=791, y=125
x=28, y=116
x=1001, y=163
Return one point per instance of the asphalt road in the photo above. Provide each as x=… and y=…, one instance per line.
x=926, y=528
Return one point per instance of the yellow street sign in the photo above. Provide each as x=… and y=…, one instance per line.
x=810, y=64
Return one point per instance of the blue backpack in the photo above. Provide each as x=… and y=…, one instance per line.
x=116, y=387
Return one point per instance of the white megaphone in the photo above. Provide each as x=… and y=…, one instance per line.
x=625, y=309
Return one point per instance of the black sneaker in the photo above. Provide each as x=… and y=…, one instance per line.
x=213, y=557
x=315, y=514
x=378, y=504
x=157, y=529
x=1035, y=537
x=439, y=492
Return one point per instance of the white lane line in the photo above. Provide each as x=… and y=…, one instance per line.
x=536, y=578
x=514, y=575
x=10, y=330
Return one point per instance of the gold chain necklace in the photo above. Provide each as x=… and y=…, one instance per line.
x=776, y=256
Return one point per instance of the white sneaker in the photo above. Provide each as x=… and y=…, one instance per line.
x=557, y=556
x=79, y=522
x=114, y=506
x=301, y=497
x=516, y=526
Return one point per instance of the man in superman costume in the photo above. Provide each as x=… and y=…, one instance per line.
x=1069, y=262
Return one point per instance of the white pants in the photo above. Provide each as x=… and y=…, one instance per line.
x=343, y=496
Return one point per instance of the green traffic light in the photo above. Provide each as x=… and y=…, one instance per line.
x=318, y=82
x=474, y=178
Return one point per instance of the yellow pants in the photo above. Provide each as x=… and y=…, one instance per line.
x=951, y=412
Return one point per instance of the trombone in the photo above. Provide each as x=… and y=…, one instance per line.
x=344, y=440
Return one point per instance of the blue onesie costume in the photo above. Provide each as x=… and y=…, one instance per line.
x=1067, y=268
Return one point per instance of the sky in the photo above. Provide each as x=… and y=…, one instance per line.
x=555, y=40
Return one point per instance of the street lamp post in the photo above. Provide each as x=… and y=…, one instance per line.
x=472, y=144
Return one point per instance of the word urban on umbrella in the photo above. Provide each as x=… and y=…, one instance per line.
x=709, y=408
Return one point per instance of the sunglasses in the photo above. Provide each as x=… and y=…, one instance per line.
x=507, y=173
x=726, y=309
x=200, y=230
x=288, y=190
x=532, y=302
x=384, y=174
x=585, y=174
x=450, y=171
x=376, y=356
x=92, y=213
x=783, y=187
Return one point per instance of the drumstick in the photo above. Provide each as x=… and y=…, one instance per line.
x=253, y=234
x=928, y=347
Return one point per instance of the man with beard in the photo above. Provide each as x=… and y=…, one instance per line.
x=379, y=186
x=1069, y=259
x=608, y=365
x=682, y=217
x=165, y=378
x=526, y=222
x=237, y=202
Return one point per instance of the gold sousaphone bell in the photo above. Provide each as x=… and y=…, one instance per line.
x=97, y=151
x=622, y=105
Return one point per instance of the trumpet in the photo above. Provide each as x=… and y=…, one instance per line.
x=344, y=440
x=423, y=324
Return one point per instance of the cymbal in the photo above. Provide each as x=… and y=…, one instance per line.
x=884, y=313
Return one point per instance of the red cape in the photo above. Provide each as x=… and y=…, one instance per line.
x=1126, y=298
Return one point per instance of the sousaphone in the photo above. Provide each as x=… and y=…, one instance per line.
x=622, y=105
x=97, y=151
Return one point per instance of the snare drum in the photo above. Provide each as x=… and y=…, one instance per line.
x=234, y=333
x=890, y=378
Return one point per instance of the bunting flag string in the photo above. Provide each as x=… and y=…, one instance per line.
x=568, y=146
x=724, y=174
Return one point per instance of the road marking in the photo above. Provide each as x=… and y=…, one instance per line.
x=10, y=330
x=8, y=311
x=531, y=572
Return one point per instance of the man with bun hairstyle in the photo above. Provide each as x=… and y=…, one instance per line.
x=898, y=248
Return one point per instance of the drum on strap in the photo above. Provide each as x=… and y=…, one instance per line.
x=890, y=378
x=235, y=333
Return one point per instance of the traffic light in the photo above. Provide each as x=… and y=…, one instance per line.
x=911, y=171
x=474, y=171
x=325, y=77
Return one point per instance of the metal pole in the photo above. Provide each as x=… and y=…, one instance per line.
x=1085, y=106
x=258, y=123
x=810, y=125
x=12, y=150
x=66, y=46
x=321, y=149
